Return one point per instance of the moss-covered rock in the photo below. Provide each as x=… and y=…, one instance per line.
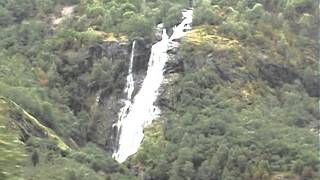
x=12, y=150
x=29, y=125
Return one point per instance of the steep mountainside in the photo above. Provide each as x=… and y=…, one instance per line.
x=242, y=99
x=239, y=100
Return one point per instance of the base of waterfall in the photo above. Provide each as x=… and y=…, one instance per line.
x=141, y=110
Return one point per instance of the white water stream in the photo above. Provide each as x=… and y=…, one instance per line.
x=128, y=90
x=136, y=114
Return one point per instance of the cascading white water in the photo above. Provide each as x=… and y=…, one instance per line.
x=129, y=87
x=128, y=90
x=130, y=83
x=134, y=116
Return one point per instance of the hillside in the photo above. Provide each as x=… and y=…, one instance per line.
x=239, y=100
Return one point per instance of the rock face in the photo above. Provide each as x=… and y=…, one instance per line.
x=312, y=85
x=173, y=68
x=140, y=63
x=98, y=76
x=276, y=74
x=158, y=32
x=105, y=109
x=279, y=74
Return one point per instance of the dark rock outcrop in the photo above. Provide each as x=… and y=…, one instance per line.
x=312, y=85
x=276, y=74
x=174, y=67
x=105, y=112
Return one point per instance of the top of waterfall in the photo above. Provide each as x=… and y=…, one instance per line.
x=187, y=13
x=180, y=30
x=164, y=34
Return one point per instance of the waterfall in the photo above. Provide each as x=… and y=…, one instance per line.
x=128, y=91
x=130, y=83
x=134, y=116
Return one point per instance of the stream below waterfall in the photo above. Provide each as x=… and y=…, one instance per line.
x=140, y=110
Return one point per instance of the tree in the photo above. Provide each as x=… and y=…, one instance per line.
x=173, y=18
x=206, y=14
x=35, y=157
x=137, y=26
x=6, y=17
x=21, y=9
x=44, y=6
x=256, y=13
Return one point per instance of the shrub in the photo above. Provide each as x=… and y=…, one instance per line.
x=89, y=37
x=256, y=13
x=126, y=7
x=44, y=6
x=207, y=15
x=302, y=6
x=137, y=26
x=95, y=12
x=6, y=17
x=173, y=18
x=21, y=9
x=82, y=24
x=235, y=29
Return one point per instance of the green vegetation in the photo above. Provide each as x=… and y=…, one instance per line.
x=12, y=151
x=244, y=107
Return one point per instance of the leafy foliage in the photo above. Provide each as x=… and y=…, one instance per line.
x=242, y=108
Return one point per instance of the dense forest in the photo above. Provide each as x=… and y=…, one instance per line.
x=241, y=101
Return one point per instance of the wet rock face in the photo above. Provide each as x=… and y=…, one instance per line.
x=140, y=63
x=141, y=58
x=173, y=68
x=104, y=110
x=103, y=116
x=116, y=50
x=105, y=113
x=158, y=32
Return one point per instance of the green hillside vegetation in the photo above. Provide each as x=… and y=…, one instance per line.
x=244, y=107
x=12, y=151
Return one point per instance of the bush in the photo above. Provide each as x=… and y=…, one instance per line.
x=127, y=7
x=137, y=26
x=81, y=157
x=6, y=17
x=89, y=37
x=44, y=6
x=256, y=13
x=302, y=6
x=232, y=29
x=207, y=15
x=96, y=158
x=21, y=9
x=82, y=24
x=173, y=18
x=31, y=32
x=95, y=12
